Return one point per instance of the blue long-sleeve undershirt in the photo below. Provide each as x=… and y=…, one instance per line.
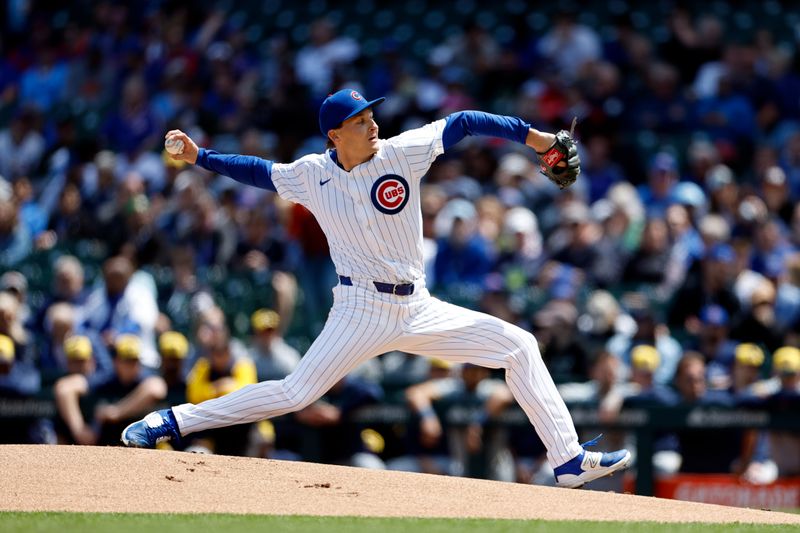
x=464, y=123
x=245, y=169
x=258, y=172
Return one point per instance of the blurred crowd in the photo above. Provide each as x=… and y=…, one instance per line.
x=669, y=274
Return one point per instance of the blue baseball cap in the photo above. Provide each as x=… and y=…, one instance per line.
x=714, y=315
x=688, y=193
x=721, y=252
x=664, y=161
x=340, y=106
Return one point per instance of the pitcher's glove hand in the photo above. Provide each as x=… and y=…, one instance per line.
x=561, y=163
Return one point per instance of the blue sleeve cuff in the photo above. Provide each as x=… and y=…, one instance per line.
x=464, y=123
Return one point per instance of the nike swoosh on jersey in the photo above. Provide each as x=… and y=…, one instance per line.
x=324, y=182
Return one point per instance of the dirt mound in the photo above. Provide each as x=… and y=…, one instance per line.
x=75, y=478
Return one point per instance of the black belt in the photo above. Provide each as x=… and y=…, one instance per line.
x=400, y=289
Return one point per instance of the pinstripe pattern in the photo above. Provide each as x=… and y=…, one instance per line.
x=367, y=244
x=357, y=329
x=439, y=329
x=364, y=242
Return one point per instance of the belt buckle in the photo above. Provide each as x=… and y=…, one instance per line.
x=394, y=289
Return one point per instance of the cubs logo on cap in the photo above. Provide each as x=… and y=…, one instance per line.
x=390, y=194
x=340, y=106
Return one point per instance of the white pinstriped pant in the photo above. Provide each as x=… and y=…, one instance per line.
x=364, y=323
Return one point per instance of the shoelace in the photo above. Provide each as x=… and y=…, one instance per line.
x=592, y=442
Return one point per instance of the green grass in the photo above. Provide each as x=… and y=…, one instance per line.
x=192, y=523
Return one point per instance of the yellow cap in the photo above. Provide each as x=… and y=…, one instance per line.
x=645, y=357
x=7, y=350
x=441, y=364
x=78, y=347
x=173, y=344
x=786, y=360
x=128, y=346
x=373, y=440
x=265, y=319
x=749, y=354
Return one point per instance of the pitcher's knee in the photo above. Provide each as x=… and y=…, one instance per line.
x=296, y=399
x=527, y=349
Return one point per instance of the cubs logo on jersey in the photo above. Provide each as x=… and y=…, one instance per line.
x=390, y=194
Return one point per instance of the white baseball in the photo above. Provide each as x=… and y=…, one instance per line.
x=174, y=146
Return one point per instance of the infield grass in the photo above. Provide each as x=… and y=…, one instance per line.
x=228, y=523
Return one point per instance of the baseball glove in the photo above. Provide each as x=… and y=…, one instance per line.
x=563, y=149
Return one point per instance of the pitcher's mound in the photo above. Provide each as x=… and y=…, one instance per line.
x=77, y=478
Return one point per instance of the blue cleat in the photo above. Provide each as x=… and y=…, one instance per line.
x=588, y=466
x=156, y=427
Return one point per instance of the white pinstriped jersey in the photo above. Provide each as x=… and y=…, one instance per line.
x=370, y=215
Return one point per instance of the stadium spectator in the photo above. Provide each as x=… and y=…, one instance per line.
x=15, y=241
x=22, y=146
x=209, y=233
x=649, y=263
x=599, y=169
x=759, y=323
x=747, y=363
x=118, y=398
x=274, y=358
x=317, y=62
x=140, y=240
x=67, y=286
x=463, y=255
x=70, y=221
x=569, y=45
x=704, y=450
x=785, y=401
x=580, y=243
x=263, y=252
x=555, y=330
x=723, y=192
x=20, y=380
x=664, y=107
x=662, y=176
x=16, y=284
x=713, y=284
x=776, y=194
x=787, y=302
x=123, y=304
x=447, y=450
x=715, y=344
x=80, y=355
x=646, y=392
x=12, y=326
x=61, y=322
x=216, y=372
x=30, y=212
x=132, y=128
x=174, y=349
x=648, y=330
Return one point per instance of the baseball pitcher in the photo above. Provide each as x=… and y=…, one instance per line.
x=365, y=193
